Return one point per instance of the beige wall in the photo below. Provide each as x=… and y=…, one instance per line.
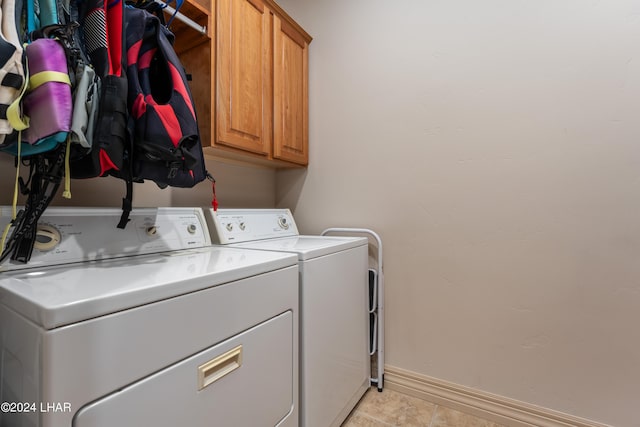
x=495, y=146
x=236, y=186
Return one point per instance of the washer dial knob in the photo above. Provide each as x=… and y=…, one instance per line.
x=47, y=237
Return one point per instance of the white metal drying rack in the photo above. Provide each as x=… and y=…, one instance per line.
x=377, y=308
x=180, y=17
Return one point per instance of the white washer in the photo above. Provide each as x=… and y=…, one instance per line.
x=334, y=322
x=186, y=335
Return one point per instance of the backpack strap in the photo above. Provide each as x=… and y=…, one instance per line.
x=43, y=77
x=45, y=178
x=12, y=70
x=127, y=205
x=13, y=112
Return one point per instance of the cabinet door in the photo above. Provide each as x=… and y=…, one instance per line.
x=243, y=90
x=290, y=91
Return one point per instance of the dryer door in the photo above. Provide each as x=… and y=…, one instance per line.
x=246, y=380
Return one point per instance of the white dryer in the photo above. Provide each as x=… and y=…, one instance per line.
x=147, y=326
x=334, y=320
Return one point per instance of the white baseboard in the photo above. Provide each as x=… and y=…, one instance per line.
x=491, y=407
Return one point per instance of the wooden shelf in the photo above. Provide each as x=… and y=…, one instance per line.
x=187, y=37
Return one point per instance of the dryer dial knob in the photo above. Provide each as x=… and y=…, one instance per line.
x=47, y=237
x=282, y=222
x=191, y=228
x=229, y=226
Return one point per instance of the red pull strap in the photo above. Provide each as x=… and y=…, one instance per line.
x=214, y=202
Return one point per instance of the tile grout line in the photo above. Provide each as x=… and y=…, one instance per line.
x=433, y=417
x=370, y=417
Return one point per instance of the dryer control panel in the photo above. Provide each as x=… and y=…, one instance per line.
x=248, y=225
x=68, y=235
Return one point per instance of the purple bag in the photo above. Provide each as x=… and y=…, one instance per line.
x=48, y=102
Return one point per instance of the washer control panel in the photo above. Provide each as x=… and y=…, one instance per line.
x=247, y=225
x=67, y=235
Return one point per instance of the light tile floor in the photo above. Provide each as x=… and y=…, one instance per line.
x=391, y=408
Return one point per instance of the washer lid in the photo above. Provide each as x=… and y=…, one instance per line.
x=57, y=296
x=307, y=247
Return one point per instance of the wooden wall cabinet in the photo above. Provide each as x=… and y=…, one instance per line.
x=250, y=80
x=291, y=93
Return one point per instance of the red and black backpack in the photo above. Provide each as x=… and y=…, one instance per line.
x=102, y=29
x=157, y=137
x=163, y=125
